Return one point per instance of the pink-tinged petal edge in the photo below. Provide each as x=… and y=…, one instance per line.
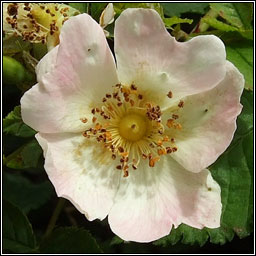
x=148, y=56
x=71, y=78
x=209, y=122
x=151, y=200
x=80, y=173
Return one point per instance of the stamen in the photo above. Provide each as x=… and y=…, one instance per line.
x=84, y=120
x=169, y=94
x=181, y=104
x=131, y=129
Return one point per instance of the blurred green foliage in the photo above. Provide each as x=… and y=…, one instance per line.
x=18, y=235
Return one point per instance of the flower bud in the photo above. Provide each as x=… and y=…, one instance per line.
x=13, y=71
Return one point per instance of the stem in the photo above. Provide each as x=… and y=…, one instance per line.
x=54, y=217
x=14, y=154
x=201, y=26
x=204, y=26
x=88, y=8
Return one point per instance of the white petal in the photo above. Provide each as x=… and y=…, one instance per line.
x=148, y=56
x=107, y=16
x=81, y=171
x=47, y=63
x=73, y=78
x=208, y=122
x=151, y=200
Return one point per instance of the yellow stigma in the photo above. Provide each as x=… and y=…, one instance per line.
x=133, y=127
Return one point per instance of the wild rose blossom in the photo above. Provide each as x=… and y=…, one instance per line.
x=131, y=140
x=37, y=23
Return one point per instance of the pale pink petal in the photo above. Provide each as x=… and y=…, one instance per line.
x=47, y=63
x=208, y=122
x=150, y=200
x=81, y=171
x=150, y=57
x=72, y=84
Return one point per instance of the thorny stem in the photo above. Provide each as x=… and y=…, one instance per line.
x=54, y=217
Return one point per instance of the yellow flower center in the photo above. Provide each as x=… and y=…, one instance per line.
x=35, y=22
x=133, y=127
x=130, y=127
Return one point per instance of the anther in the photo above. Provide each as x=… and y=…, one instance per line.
x=181, y=104
x=126, y=173
x=153, y=161
x=133, y=87
x=168, y=150
x=169, y=94
x=84, y=120
x=132, y=103
x=170, y=123
x=134, y=167
x=120, y=149
x=144, y=156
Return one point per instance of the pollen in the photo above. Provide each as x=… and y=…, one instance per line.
x=130, y=127
x=34, y=22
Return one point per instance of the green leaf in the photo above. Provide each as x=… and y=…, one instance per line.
x=14, y=44
x=241, y=55
x=116, y=240
x=214, y=23
x=25, y=194
x=221, y=235
x=234, y=173
x=27, y=156
x=193, y=236
x=168, y=22
x=185, y=234
x=218, y=24
x=245, y=119
x=237, y=14
x=97, y=9
x=81, y=7
x=14, y=125
x=39, y=50
x=119, y=7
x=176, y=9
x=18, y=235
x=70, y=240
